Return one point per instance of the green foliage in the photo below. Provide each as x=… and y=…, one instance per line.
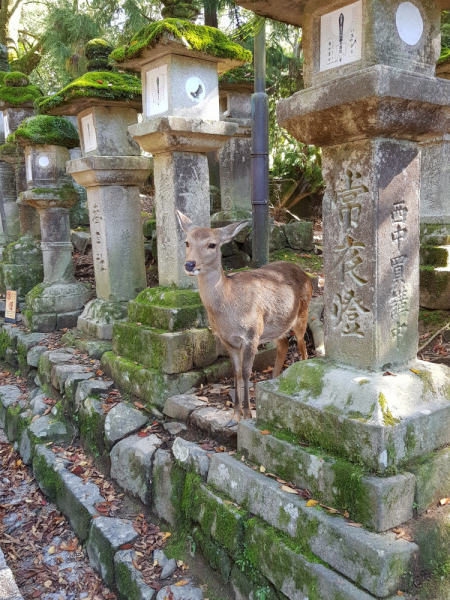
x=242, y=74
x=44, y=129
x=98, y=84
x=16, y=79
x=198, y=37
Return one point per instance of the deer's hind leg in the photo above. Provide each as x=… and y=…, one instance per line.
x=282, y=350
x=236, y=361
x=299, y=328
x=247, y=365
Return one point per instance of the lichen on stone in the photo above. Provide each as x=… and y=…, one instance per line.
x=199, y=38
x=96, y=84
x=45, y=129
x=15, y=89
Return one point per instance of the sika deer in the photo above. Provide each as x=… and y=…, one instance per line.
x=248, y=308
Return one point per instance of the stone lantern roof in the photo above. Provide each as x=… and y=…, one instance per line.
x=16, y=91
x=45, y=130
x=241, y=78
x=177, y=36
x=291, y=11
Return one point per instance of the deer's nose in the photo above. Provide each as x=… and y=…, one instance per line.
x=190, y=266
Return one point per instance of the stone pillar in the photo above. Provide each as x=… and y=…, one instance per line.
x=235, y=155
x=58, y=301
x=370, y=98
x=111, y=169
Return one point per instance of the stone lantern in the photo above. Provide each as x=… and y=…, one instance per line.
x=17, y=98
x=58, y=301
x=179, y=64
x=235, y=95
x=111, y=169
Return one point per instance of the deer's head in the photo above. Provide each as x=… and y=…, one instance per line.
x=203, y=244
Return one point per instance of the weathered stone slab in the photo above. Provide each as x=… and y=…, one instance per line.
x=214, y=421
x=38, y=405
x=380, y=421
x=187, y=592
x=150, y=385
x=432, y=479
x=50, y=358
x=129, y=582
x=435, y=288
x=431, y=532
x=92, y=430
x=299, y=235
x=122, y=420
x=191, y=457
x=165, y=487
x=8, y=586
x=131, y=465
x=180, y=407
x=70, y=387
x=8, y=395
x=34, y=355
x=92, y=387
x=376, y=561
x=106, y=535
x=60, y=373
x=380, y=503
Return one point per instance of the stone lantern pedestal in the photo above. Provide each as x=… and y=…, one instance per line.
x=235, y=155
x=111, y=169
x=58, y=301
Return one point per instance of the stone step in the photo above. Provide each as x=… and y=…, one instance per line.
x=435, y=256
x=377, y=562
x=380, y=422
x=435, y=288
x=167, y=351
x=378, y=503
x=168, y=309
x=87, y=345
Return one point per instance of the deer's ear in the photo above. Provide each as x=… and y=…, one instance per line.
x=230, y=231
x=185, y=223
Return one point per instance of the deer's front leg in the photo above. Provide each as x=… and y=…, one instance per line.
x=247, y=365
x=236, y=361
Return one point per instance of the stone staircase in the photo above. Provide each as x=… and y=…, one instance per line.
x=435, y=267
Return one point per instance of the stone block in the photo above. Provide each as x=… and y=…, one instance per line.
x=131, y=465
x=434, y=256
x=92, y=387
x=70, y=387
x=11, y=357
x=180, y=407
x=435, y=288
x=431, y=532
x=214, y=422
x=187, y=592
x=299, y=235
x=80, y=240
x=34, y=355
x=129, y=582
x=432, y=479
x=150, y=385
x=191, y=457
x=168, y=486
x=8, y=587
x=168, y=309
x=278, y=239
x=121, y=421
x=61, y=373
x=358, y=414
x=38, y=405
x=87, y=345
x=379, y=503
x=91, y=421
x=106, y=535
x=149, y=228
x=49, y=359
x=99, y=316
x=377, y=562
x=434, y=234
x=46, y=469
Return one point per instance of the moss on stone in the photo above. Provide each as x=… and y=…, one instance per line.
x=304, y=376
x=16, y=90
x=65, y=192
x=45, y=129
x=97, y=52
x=120, y=87
x=200, y=38
x=11, y=151
x=388, y=419
x=243, y=74
x=435, y=256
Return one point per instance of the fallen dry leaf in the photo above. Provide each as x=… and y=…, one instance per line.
x=265, y=432
x=182, y=582
x=289, y=490
x=262, y=469
x=312, y=503
x=444, y=501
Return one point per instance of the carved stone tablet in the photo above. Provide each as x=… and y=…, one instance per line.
x=157, y=93
x=88, y=132
x=341, y=36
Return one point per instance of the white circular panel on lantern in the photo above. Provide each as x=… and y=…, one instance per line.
x=409, y=23
x=43, y=161
x=195, y=89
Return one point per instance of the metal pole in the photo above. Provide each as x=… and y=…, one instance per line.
x=260, y=154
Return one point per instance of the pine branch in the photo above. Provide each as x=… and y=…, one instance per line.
x=15, y=6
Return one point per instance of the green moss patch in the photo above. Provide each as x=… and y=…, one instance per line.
x=96, y=84
x=388, y=419
x=307, y=262
x=97, y=52
x=44, y=129
x=10, y=151
x=243, y=74
x=16, y=90
x=304, y=376
x=199, y=38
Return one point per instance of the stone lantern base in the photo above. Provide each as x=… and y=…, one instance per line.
x=21, y=268
x=51, y=306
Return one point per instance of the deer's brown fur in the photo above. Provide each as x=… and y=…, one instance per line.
x=248, y=308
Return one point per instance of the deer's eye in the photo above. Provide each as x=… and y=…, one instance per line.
x=187, y=244
x=212, y=246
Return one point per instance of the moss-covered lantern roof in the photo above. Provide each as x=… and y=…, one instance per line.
x=101, y=88
x=179, y=36
x=242, y=78
x=16, y=91
x=45, y=129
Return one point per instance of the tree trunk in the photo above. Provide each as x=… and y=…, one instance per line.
x=211, y=19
